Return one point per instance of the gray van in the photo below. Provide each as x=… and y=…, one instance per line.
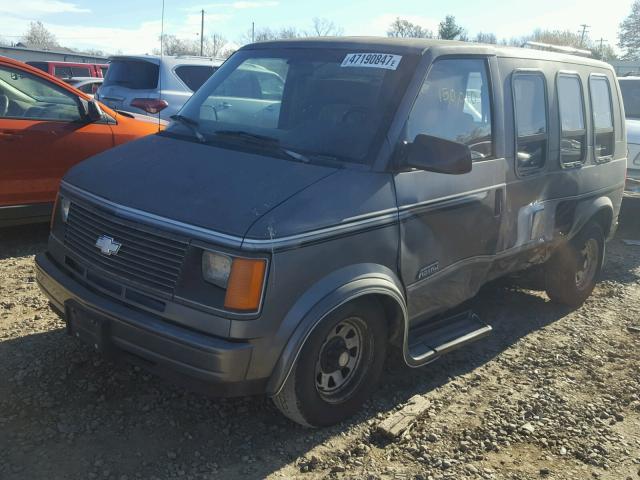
x=282, y=236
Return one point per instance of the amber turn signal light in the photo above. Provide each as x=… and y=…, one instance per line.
x=244, y=290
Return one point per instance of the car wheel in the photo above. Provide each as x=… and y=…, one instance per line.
x=571, y=272
x=338, y=367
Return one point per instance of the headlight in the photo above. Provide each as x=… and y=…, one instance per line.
x=65, y=203
x=242, y=278
x=216, y=268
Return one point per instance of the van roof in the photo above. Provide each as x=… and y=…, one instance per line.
x=419, y=45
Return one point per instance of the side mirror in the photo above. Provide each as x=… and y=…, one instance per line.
x=438, y=155
x=94, y=112
x=90, y=110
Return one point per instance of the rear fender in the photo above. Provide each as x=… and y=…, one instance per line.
x=600, y=208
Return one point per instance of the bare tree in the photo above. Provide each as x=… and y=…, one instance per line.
x=405, y=29
x=288, y=32
x=227, y=52
x=95, y=52
x=266, y=34
x=39, y=37
x=215, y=45
x=323, y=27
x=482, y=37
x=172, y=45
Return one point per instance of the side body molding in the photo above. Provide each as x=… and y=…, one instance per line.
x=333, y=291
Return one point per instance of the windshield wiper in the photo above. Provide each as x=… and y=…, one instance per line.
x=247, y=135
x=190, y=124
x=262, y=139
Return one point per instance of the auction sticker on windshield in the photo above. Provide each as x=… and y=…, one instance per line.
x=372, y=60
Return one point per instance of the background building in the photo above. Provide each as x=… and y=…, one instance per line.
x=24, y=53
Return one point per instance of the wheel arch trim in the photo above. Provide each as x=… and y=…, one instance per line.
x=377, y=284
x=587, y=210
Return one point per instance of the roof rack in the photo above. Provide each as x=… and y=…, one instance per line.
x=557, y=48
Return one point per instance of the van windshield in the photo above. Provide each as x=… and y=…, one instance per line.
x=631, y=97
x=319, y=103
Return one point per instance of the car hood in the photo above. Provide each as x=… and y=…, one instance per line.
x=202, y=185
x=633, y=131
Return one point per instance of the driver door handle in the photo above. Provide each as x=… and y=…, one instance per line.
x=9, y=136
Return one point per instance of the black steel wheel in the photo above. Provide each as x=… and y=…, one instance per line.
x=338, y=367
x=572, y=271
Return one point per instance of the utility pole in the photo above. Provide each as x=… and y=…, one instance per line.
x=584, y=32
x=602, y=41
x=201, y=31
x=253, y=32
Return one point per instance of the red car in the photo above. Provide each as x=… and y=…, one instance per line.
x=46, y=127
x=66, y=70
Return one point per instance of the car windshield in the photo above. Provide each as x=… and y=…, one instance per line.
x=318, y=103
x=631, y=97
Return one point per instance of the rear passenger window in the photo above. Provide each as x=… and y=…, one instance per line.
x=573, y=134
x=194, y=76
x=602, y=116
x=530, y=101
x=454, y=103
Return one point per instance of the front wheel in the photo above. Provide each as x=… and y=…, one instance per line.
x=338, y=366
x=571, y=272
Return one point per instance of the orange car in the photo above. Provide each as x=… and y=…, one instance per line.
x=47, y=126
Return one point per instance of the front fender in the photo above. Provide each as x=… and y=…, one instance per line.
x=327, y=295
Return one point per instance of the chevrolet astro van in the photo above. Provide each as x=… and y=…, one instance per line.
x=318, y=203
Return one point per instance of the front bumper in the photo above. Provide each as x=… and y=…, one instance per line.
x=202, y=362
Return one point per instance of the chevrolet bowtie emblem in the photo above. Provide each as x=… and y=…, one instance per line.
x=107, y=245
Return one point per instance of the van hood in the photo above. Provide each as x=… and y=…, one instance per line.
x=633, y=131
x=219, y=189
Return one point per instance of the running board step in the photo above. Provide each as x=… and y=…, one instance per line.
x=428, y=342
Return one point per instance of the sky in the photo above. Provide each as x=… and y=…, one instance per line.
x=133, y=26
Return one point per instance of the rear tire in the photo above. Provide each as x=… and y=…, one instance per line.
x=572, y=271
x=338, y=367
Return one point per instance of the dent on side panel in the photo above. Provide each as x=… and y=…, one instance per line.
x=552, y=205
x=450, y=227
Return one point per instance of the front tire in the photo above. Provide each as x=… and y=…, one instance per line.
x=338, y=367
x=572, y=271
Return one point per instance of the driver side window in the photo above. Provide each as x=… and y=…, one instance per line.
x=28, y=97
x=454, y=103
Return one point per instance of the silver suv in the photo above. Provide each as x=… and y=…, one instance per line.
x=148, y=84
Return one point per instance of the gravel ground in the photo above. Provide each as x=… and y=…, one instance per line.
x=553, y=393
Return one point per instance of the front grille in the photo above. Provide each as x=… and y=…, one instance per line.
x=147, y=258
